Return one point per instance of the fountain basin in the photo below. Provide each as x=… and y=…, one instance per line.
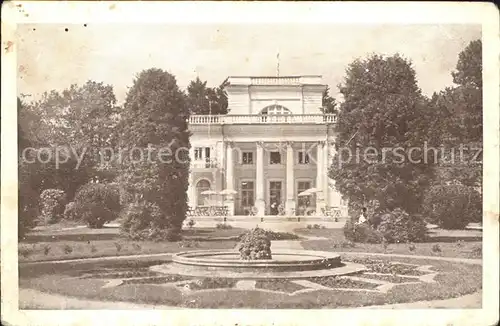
x=284, y=264
x=289, y=260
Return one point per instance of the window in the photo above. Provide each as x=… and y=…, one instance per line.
x=275, y=158
x=247, y=158
x=247, y=194
x=202, y=154
x=198, y=153
x=303, y=200
x=275, y=110
x=303, y=158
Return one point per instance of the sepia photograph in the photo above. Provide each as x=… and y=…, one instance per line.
x=211, y=164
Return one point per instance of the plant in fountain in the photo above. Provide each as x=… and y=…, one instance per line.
x=255, y=245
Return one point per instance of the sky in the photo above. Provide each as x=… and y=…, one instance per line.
x=49, y=57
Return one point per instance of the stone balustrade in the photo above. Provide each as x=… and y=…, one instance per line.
x=263, y=119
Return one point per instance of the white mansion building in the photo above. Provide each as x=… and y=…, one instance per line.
x=274, y=144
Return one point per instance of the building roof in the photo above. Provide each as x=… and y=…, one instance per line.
x=276, y=80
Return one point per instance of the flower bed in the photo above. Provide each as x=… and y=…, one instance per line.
x=157, y=279
x=391, y=278
x=210, y=283
x=340, y=282
x=385, y=267
x=278, y=285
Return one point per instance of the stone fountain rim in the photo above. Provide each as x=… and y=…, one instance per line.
x=318, y=258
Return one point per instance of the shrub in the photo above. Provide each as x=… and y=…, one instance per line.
x=52, y=202
x=28, y=209
x=398, y=226
x=138, y=223
x=255, y=245
x=70, y=211
x=347, y=244
x=477, y=251
x=25, y=251
x=361, y=233
x=453, y=206
x=97, y=203
x=46, y=249
x=223, y=226
x=436, y=248
x=189, y=244
x=67, y=249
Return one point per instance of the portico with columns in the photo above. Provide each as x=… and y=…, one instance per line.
x=274, y=143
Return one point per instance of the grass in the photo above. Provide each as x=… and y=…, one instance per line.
x=455, y=280
x=65, y=249
x=56, y=234
x=450, y=245
x=57, y=243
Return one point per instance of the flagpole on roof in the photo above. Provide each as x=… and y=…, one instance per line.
x=278, y=64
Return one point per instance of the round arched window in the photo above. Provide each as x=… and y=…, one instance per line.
x=201, y=186
x=275, y=110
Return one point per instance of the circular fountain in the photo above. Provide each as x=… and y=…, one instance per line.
x=284, y=264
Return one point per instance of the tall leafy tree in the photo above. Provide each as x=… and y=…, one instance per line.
x=384, y=115
x=329, y=103
x=81, y=118
x=202, y=99
x=155, y=121
x=460, y=109
x=27, y=194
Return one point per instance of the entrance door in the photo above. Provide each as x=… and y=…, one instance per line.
x=274, y=196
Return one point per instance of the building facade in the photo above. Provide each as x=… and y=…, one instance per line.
x=274, y=144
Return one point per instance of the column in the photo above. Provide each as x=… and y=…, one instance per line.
x=320, y=203
x=290, y=180
x=191, y=186
x=259, y=180
x=229, y=202
x=219, y=157
x=326, y=165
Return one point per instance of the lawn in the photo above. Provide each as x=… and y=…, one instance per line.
x=454, y=280
x=464, y=244
x=59, y=243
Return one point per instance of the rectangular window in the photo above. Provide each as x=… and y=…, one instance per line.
x=303, y=158
x=247, y=158
x=198, y=153
x=247, y=194
x=275, y=158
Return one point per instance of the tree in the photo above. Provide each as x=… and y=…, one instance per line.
x=383, y=116
x=81, y=119
x=206, y=100
x=329, y=103
x=460, y=109
x=155, y=119
x=27, y=196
